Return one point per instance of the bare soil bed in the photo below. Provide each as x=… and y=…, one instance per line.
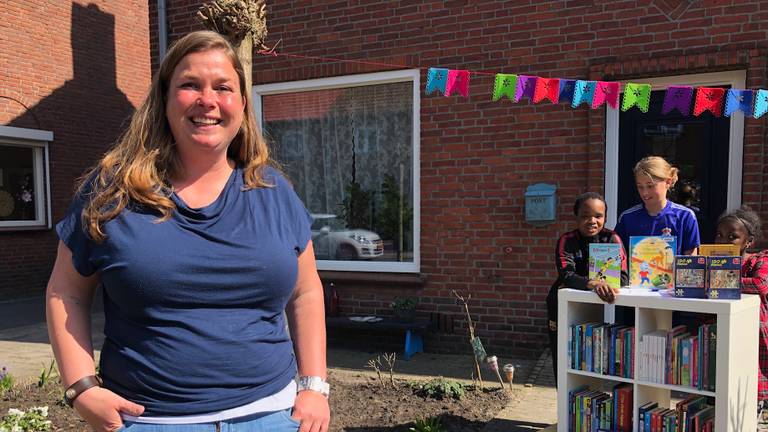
x=359, y=403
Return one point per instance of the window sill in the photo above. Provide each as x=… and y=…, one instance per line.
x=414, y=280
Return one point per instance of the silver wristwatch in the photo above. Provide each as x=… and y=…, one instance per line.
x=314, y=383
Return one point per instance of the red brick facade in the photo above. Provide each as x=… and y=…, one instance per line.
x=477, y=156
x=76, y=69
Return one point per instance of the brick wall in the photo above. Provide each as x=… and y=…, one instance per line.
x=77, y=69
x=478, y=156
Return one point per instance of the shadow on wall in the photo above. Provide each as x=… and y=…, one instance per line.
x=88, y=112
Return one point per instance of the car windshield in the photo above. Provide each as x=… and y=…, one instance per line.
x=331, y=221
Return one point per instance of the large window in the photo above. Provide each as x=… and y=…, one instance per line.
x=350, y=147
x=24, y=187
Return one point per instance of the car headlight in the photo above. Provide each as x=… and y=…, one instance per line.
x=360, y=239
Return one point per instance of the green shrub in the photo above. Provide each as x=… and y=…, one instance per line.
x=440, y=388
x=6, y=380
x=429, y=424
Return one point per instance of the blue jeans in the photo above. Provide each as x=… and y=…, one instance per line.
x=279, y=421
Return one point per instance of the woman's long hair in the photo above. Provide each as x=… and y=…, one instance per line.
x=138, y=168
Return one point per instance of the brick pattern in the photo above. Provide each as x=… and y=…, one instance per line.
x=477, y=157
x=77, y=69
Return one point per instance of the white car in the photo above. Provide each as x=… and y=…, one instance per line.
x=332, y=240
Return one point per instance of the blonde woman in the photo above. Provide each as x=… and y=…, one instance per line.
x=200, y=245
x=657, y=215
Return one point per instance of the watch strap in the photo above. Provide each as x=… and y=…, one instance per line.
x=79, y=386
x=313, y=383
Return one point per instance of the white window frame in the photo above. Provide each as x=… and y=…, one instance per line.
x=405, y=75
x=37, y=140
x=736, y=79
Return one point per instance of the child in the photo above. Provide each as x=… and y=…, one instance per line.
x=657, y=215
x=572, y=259
x=741, y=227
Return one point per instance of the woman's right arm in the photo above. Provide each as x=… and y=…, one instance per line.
x=68, y=308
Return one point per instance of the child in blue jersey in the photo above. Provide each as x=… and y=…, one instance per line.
x=656, y=215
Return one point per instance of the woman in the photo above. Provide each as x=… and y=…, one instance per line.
x=200, y=246
x=572, y=259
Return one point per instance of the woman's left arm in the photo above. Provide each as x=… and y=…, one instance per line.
x=306, y=319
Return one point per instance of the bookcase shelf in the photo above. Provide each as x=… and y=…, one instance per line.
x=737, y=350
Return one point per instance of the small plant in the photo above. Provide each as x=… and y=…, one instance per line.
x=6, y=380
x=429, y=424
x=47, y=374
x=375, y=364
x=32, y=420
x=404, y=303
x=390, y=360
x=440, y=388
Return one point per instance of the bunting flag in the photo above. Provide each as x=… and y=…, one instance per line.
x=761, y=103
x=547, y=88
x=679, y=98
x=526, y=86
x=739, y=100
x=504, y=85
x=458, y=80
x=638, y=95
x=567, y=87
x=709, y=99
x=606, y=92
x=583, y=93
x=437, y=78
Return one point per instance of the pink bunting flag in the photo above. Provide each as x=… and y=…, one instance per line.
x=547, y=88
x=606, y=92
x=458, y=80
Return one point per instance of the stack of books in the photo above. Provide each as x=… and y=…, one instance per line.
x=592, y=410
x=607, y=349
x=679, y=357
x=693, y=414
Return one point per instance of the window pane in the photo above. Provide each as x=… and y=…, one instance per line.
x=349, y=154
x=17, y=185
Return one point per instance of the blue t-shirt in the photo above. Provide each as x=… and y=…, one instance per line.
x=674, y=219
x=194, y=305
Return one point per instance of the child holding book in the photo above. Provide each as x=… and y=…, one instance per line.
x=656, y=215
x=741, y=227
x=572, y=259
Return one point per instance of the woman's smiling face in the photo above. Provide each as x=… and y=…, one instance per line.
x=652, y=191
x=204, y=104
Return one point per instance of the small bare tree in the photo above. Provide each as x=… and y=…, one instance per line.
x=375, y=364
x=390, y=359
x=471, y=328
x=243, y=22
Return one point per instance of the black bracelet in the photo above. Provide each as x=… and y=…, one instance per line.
x=81, y=385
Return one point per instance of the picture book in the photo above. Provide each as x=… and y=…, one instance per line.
x=719, y=250
x=724, y=277
x=652, y=261
x=690, y=276
x=605, y=263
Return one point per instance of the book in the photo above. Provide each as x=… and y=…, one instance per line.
x=605, y=263
x=652, y=261
x=690, y=276
x=725, y=249
x=724, y=277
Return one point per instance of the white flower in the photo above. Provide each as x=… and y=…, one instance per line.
x=43, y=410
x=26, y=196
x=15, y=412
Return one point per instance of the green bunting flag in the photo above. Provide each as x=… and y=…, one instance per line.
x=636, y=95
x=505, y=85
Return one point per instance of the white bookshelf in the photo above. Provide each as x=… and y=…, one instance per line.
x=737, y=351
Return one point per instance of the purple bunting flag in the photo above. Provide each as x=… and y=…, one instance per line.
x=526, y=87
x=679, y=98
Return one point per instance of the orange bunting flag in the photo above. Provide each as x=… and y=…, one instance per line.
x=547, y=88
